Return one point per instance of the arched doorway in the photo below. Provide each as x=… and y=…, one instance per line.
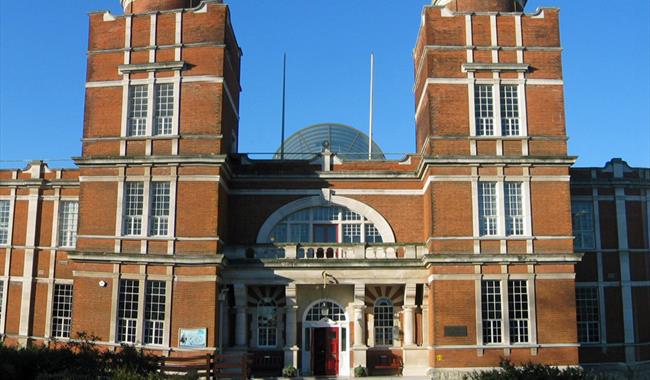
x=325, y=336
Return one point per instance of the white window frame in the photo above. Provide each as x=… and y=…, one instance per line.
x=68, y=223
x=384, y=322
x=588, y=314
x=5, y=221
x=503, y=319
x=152, y=214
x=128, y=311
x=133, y=211
x=62, y=310
x=164, y=99
x=506, y=116
x=506, y=210
x=267, y=329
x=343, y=218
x=144, y=316
x=147, y=115
x=155, y=311
x=160, y=203
x=518, y=311
x=582, y=214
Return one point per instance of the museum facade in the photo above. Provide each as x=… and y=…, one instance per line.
x=167, y=238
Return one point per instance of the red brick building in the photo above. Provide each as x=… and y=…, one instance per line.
x=168, y=238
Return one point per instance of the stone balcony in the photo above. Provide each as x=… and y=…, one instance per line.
x=329, y=251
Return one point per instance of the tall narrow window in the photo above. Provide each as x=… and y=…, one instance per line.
x=138, y=108
x=587, y=315
x=491, y=311
x=68, y=214
x=154, y=312
x=128, y=311
x=133, y=208
x=267, y=323
x=164, y=109
x=4, y=222
x=484, y=109
x=384, y=321
x=518, y=311
x=487, y=204
x=2, y=293
x=514, y=208
x=159, y=213
x=583, y=224
x=62, y=310
x=509, y=110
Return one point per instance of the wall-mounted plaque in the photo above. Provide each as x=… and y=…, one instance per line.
x=455, y=330
x=192, y=338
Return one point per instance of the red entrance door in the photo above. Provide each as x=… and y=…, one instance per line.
x=325, y=351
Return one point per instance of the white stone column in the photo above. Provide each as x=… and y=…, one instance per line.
x=409, y=331
x=240, y=317
x=359, y=346
x=291, y=346
x=359, y=325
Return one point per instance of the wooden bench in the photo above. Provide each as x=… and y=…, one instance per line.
x=230, y=366
x=208, y=366
x=182, y=365
x=389, y=362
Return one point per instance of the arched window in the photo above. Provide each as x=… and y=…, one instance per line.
x=325, y=310
x=327, y=224
x=383, y=313
x=267, y=323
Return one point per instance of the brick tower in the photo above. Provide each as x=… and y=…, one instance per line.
x=489, y=99
x=161, y=116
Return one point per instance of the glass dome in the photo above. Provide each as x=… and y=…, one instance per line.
x=348, y=143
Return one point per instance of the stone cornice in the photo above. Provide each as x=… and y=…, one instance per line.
x=180, y=259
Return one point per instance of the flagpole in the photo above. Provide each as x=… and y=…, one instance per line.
x=284, y=85
x=372, y=82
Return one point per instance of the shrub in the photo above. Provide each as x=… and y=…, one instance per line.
x=289, y=371
x=360, y=371
x=532, y=371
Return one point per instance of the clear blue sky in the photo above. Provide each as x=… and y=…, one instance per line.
x=606, y=67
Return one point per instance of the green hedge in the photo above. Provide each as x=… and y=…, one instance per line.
x=78, y=359
x=531, y=371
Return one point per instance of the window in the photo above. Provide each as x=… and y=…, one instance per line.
x=160, y=100
x=68, y=211
x=138, y=108
x=159, y=212
x=155, y=299
x=62, y=310
x=164, y=109
x=491, y=210
x=2, y=291
x=383, y=314
x=325, y=225
x=484, y=110
x=518, y=311
x=4, y=222
x=494, y=321
x=325, y=310
x=583, y=224
x=128, y=311
x=587, y=315
x=133, y=208
x=491, y=311
x=154, y=312
x=514, y=208
x=509, y=110
x=487, y=204
x=267, y=323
